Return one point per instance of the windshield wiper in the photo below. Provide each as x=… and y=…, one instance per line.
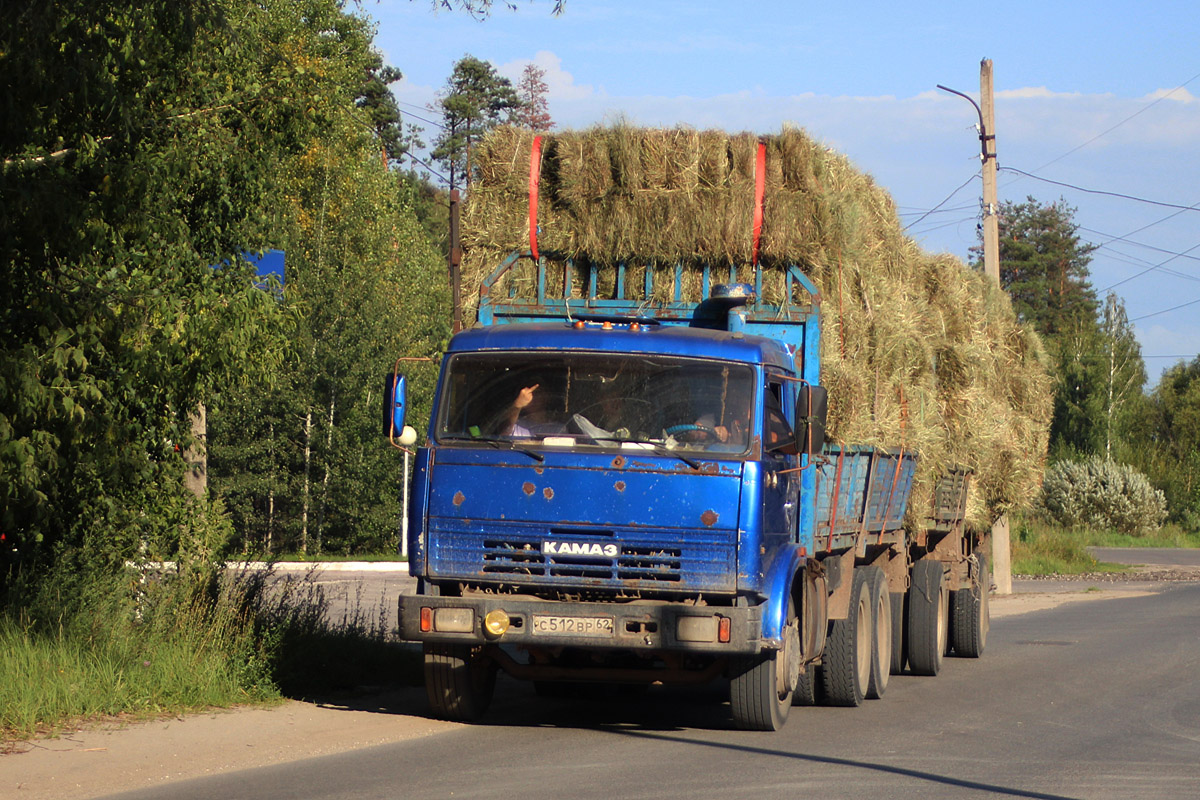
x=500, y=444
x=659, y=448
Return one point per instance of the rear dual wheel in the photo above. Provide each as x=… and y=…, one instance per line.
x=882, y=640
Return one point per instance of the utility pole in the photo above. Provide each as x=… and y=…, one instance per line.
x=455, y=264
x=1001, y=541
x=987, y=138
x=1001, y=545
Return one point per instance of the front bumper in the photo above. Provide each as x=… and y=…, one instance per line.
x=635, y=626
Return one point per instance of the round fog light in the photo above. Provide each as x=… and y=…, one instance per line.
x=495, y=623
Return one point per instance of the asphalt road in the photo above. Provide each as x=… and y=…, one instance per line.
x=1089, y=700
x=1151, y=556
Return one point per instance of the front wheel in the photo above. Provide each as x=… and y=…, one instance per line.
x=459, y=681
x=761, y=687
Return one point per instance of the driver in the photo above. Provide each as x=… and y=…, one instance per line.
x=527, y=415
x=730, y=424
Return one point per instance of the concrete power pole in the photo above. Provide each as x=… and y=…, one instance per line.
x=1001, y=543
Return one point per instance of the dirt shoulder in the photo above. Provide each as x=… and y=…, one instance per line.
x=108, y=759
x=116, y=758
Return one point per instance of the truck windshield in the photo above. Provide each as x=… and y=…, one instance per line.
x=598, y=400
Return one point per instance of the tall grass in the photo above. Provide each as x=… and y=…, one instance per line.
x=184, y=642
x=1043, y=548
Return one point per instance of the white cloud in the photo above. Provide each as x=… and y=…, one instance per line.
x=1035, y=92
x=1179, y=95
x=560, y=84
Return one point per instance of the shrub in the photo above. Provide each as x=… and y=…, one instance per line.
x=1102, y=494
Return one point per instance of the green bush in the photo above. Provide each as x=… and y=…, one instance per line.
x=1102, y=494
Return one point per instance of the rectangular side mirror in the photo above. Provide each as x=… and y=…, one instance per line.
x=395, y=404
x=812, y=406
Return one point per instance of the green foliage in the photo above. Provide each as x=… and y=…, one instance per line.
x=1043, y=265
x=1098, y=397
x=302, y=463
x=1170, y=441
x=1102, y=494
x=1098, y=365
x=475, y=100
x=141, y=145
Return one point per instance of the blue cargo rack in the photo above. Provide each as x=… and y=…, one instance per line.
x=860, y=490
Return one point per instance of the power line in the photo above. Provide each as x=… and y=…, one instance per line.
x=1165, y=310
x=1193, y=207
x=949, y=224
x=942, y=211
x=1150, y=268
x=1107, y=131
x=1183, y=355
x=947, y=200
x=1127, y=240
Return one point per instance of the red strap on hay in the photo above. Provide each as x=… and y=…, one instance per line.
x=535, y=174
x=760, y=185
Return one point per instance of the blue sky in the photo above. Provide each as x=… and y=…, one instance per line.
x=1100, y=95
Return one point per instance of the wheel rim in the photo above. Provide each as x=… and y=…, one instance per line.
x=863, y=643
x=883, y=636
x=943, y=626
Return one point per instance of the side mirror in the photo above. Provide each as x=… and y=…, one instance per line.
x=395, y=404
x=812, y=405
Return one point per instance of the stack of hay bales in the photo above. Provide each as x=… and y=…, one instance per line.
x=918, y=351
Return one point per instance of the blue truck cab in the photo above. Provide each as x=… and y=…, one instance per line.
x=609, y=495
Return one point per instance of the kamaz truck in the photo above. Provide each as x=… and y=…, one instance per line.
x=634, y=489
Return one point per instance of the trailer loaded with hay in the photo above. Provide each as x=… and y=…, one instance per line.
x=718, y=418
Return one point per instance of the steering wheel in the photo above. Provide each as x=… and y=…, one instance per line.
x=689, y=427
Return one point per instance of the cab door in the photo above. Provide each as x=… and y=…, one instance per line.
x=781, y=480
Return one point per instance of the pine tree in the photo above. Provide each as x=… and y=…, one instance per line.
x=475, y=100
x=1044, y=266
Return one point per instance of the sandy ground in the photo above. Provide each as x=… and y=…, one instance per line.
x=109, y=759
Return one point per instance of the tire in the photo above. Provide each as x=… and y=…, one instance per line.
x=881, y=634
x=808, y=687
x=846, y=666
x=928, y=618
x=761, y=688
x=972, y=617
x=899, y=640
x=459, y=681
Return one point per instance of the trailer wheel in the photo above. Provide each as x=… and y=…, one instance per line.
x=972, y=617
x=928, y=618
x=846, y=666
x=459, y=680
x=899, y=639
x=881, y=629
x=761, y=687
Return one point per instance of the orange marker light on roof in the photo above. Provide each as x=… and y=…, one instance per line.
x=578, y=325
x=607, y=325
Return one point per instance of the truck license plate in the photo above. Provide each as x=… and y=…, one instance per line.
x=573, y=626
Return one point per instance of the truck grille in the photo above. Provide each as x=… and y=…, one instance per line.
x=655, y=564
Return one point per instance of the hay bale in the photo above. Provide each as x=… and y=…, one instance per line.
x=918, y=351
